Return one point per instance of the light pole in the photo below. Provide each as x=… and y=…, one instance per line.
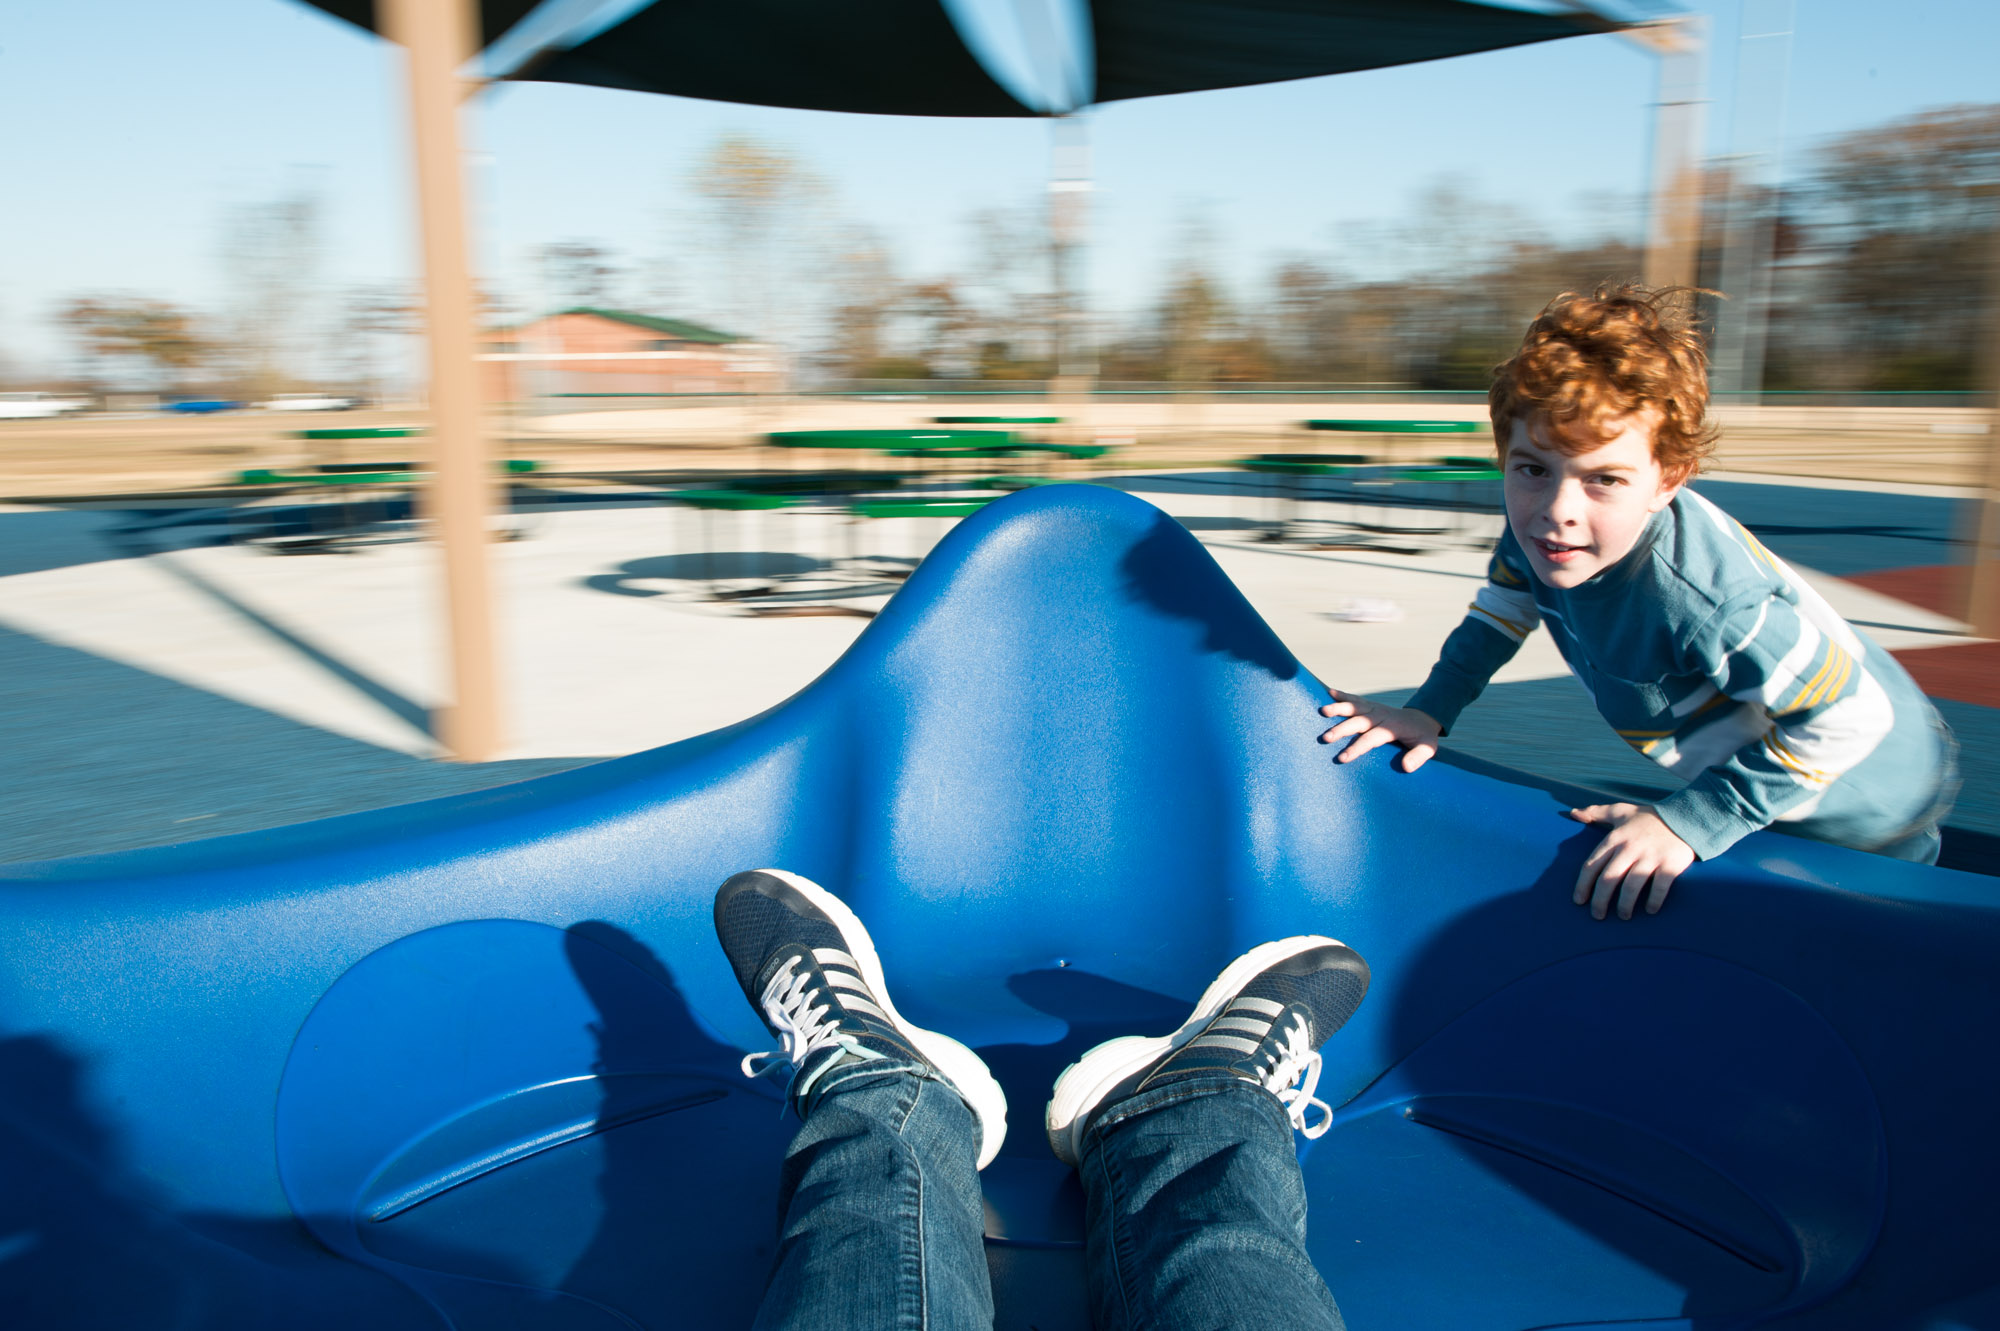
x=1075, y=364
x=1673, y=227
x=1757, y=135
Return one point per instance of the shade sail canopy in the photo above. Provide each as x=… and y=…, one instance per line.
x=496, y=17
x=924, y=57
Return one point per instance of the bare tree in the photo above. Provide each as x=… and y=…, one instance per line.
x=864, y=298
x=944, y=325
x=1882, y=275
x=271, y=258
x=767, y=217
x=1007, y=296
x=370, y=317
x=578, y=273
x=154, y=334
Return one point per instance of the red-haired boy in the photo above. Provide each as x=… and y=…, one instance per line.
x=1700, y=647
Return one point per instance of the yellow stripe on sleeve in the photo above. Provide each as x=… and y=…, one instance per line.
x=1784, y=755
x=1835, y=679
x=1518, y=631
x=1800, y=700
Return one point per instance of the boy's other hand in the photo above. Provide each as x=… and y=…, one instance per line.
x=1375, y=724
x=1638, y=847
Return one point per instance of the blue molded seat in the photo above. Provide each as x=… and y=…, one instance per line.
x=472, y=1062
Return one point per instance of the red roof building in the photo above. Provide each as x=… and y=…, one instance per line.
x=589, y=353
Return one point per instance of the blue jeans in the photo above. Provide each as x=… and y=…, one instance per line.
x=1195, y=1211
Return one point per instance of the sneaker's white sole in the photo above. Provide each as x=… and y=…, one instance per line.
x=966, y=1070
x=1084, y=1083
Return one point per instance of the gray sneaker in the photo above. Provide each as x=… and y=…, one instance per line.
x=1263, y=1020
x=810, y=969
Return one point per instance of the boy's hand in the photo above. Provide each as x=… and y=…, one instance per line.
x=1638, y=847
x=1377, y=724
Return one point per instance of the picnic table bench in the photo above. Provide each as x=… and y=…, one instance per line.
x=1447, y=485
x=364, y=500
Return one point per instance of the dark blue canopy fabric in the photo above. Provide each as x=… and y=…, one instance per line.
x=892, y=57
x=1146, y=48
x=906, y=57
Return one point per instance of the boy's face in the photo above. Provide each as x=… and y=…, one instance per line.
x=1577, y=516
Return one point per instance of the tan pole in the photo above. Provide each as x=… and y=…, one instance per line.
x=438, y=37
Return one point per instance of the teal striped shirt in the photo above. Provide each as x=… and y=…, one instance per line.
x=1710, y=656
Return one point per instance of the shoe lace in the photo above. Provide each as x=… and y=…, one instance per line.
x=793, y=1008
x=1296, y=1061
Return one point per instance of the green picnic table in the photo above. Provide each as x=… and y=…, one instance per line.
x=814, y=484
x=1304, y=464
x=354, y=506
x=361, y=432
x=738, y=501
x=921, y=443
x=941, y=446
x=1359, y=476
x=327, y=443
x=1391, y=429
x=1020, y=448
x=920, y=506
x=926, y=446
x=1446, y=472
x=360, y=473
x=884, y=441
x=1346, y=426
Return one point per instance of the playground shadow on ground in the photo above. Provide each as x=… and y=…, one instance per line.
x=104, y=757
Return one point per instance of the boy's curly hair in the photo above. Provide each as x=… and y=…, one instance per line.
x=1591, y=359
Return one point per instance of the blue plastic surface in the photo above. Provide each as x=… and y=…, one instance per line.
x=471, y=1062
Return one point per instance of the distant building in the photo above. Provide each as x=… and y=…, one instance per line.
x=586, y=353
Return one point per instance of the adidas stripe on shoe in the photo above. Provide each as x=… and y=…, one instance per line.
x=808, y=966
x=1263, y=1020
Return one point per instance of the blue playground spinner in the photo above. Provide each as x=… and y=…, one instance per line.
x=472, y=1063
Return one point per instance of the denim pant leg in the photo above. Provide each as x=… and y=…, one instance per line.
x=1196, y=1213
x=881, y=1222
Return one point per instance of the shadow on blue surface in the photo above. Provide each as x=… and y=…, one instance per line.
x=471, y=1062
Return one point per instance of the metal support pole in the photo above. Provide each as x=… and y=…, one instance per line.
x=1673, y=230
x=1075, y=359
x=438, y=37
x=1757, y=136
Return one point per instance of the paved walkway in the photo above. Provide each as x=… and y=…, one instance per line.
x=157, y=687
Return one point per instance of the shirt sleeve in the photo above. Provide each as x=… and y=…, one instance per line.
x=1827, y=714
x=1498, y=621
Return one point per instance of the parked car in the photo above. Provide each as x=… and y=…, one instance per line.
x=311, y=402
x=202, y=406
x=38, y=406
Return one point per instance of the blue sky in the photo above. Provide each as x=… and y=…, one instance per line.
x=135, y=129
